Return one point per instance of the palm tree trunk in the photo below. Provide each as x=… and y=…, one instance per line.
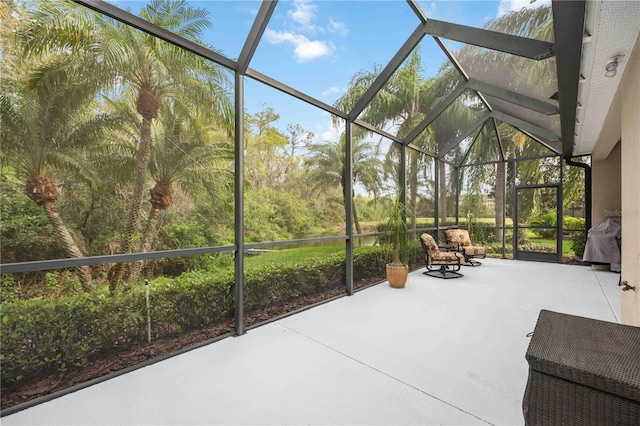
x=133, y=218
x=499, y=200
x=413, y=187
x=353, y=206
x=442, y=194
x=68, y=244
x=147, y=241
x=356, y=221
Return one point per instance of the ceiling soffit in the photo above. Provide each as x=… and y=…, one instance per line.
x=611, y=30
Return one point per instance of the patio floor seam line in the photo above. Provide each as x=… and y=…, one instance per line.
x=387, y=375
x=605, y=294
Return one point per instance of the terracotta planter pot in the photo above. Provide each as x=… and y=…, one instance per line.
x=397, y=275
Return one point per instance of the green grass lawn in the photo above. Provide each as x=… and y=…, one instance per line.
x=566, y=244
x=488, y=221
x=291, y=255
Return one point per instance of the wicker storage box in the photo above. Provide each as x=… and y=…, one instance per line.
x=582, y=371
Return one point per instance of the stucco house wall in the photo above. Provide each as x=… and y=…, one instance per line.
x=612, y=169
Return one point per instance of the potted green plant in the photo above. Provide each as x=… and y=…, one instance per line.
x=396, y=229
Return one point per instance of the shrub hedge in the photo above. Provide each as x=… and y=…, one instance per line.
x=43, y=336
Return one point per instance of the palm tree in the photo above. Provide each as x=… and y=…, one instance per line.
x=326, y=164
x=10, y=16
x=447, y=126
x=535, y=23
x=126, y=59
x=158, y=71
x=188, y=153
x=403, y=102
x=48, y=129
x=400, y=104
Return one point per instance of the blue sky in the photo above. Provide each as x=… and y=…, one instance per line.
x=317, y=46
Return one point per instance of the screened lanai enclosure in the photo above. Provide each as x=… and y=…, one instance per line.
x=177, y=166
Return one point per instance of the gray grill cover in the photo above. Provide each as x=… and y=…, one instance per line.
x=602, y=246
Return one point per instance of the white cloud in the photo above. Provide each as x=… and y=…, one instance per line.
x=431, y=10
x=324, y=131
x=301, y=30
x=331, y=91
x=304, y=14
x=507, y=6
x=329, y=133
x=337, y=27
x=305, y=50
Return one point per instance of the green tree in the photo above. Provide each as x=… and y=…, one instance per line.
x=297, y=138
x=11, y=14
x=573, y=184
x=125, y=59
x=27, y=234
x=456, y=117
x=535, y=23
x=400, y=105
x=326, y=164
x=262, y=120
x=188, y=153
x=404, y=102
x=48, y=129
x=265, y=153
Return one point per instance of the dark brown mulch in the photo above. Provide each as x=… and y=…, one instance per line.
x=28, y=390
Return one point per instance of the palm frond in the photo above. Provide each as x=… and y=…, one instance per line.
x=56, y=26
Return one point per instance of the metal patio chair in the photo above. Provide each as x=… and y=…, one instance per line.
x=440, y=264
x=460, y=238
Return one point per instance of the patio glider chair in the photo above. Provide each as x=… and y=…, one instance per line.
x=460, y=238
x=440, y=264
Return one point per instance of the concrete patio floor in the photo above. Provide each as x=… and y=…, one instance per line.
x=436, y=352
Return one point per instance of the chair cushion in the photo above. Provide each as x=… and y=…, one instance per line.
x=430, y=244
x=458, y=236
x=446, y=258
x=435, y=256
x=475, y=251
